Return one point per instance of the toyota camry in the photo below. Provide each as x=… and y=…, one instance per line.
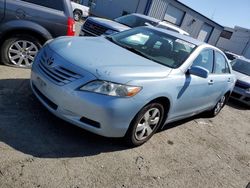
x=132, y=83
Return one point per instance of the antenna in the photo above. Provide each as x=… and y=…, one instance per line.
x=212, y=17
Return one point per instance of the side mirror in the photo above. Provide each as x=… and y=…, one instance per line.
x=199, y=71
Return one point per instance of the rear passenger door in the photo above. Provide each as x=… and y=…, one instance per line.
x=48, y=13
x=2, y=9
x=222, y=78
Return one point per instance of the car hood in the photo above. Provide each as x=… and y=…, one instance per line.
x=106, y=60
x=242, y=77
x=109, y=24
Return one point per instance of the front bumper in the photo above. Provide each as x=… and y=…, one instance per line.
x=84, y=32
x=104, y=115
x=241, y=95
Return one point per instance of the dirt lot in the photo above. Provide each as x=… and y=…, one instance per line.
x=40, y=150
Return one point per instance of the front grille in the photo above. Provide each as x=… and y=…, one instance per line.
x=94, y=28
x=247, y=99
x=57, y=74
x=241, y=85
x=236, y=95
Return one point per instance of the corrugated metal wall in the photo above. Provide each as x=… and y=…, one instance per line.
x=115, y=8
x=158, y=9
x=192, y=21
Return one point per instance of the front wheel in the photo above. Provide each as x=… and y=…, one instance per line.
x=145, y=124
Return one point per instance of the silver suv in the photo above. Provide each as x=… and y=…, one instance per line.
x=26, y=24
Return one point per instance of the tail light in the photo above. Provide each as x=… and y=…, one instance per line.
x=71, y=27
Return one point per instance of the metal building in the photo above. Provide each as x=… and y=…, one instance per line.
x=236, y=40
x=172, y=11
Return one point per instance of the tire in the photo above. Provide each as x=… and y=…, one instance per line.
x=140, y=130
x=19, y=50
x=77, y=15
x=218, y=107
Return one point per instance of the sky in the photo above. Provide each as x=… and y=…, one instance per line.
x=225, y=12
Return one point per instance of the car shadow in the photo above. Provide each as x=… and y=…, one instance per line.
x=28, y=127
x=237, y=105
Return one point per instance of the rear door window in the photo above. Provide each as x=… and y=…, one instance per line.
x=54, y=4
x=221, y=66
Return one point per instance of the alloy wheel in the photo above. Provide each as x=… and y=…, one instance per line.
x=22, y=53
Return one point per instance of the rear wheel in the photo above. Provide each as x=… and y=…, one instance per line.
x=219, y=105
x=20, y=50
x=145, y=124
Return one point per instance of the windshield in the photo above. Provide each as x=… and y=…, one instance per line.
x=241, y=66
x=134, y=21
x=155, y=45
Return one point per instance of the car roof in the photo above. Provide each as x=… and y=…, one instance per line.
x=244, y=59
x=180, y=36
x=171, y=26
x=145, y=17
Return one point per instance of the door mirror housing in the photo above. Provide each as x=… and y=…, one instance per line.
x=199, y=71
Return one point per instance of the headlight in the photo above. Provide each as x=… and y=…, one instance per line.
x=112, y=89
x=110, y=31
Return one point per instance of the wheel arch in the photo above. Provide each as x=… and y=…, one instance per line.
x=227, y=94
x=166, y=105
x=24, y=27
x=165, y=101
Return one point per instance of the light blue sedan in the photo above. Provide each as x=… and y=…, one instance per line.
x=132, y=83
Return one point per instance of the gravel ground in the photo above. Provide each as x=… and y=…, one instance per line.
x=39, y=150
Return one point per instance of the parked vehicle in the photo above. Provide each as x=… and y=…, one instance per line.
x=231, y=56
x=100, y=26
x=26, y=24
x=171, y=27
x=131, y=83
x=79, y=11
x=241, y=92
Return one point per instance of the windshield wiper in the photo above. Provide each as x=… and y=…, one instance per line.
x=110, y=38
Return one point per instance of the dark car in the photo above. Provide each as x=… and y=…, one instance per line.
x=94, y=26
x=231, y=56
x=241, y=68
x=26, y=24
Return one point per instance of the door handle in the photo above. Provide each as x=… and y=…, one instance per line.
x=229, y=80
x=210, y=82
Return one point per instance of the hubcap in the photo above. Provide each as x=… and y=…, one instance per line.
x=219, y=105
x=22, y=53
x=147, y=124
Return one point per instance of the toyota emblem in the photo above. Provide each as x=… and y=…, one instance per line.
x=50, y=61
